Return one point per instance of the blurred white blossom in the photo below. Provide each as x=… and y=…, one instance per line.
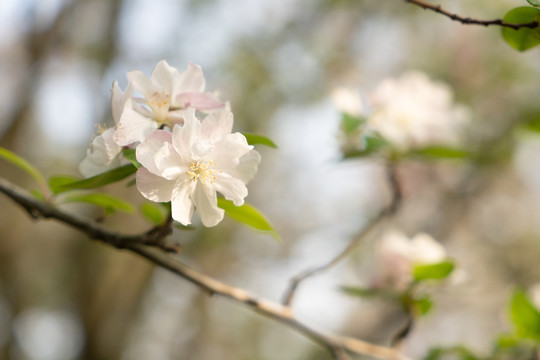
x=398, y=254
x=413, y=111
x=348, y=101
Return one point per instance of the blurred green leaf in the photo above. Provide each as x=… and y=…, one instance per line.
x=523, y=38
x=423, y=305
x=433, y=271
x=253, y=139
x=455, y=352
x=525, y=316
x=441, y=152
x=372, y=144
x=248, y=215
x=366, y=292
x=349, y=123
x=25, y=166
x=131, y=156
x=102, y=179
x=533, y=125
x=154, y=212
x=534, y=3
x=106, y=201
x=56, y=182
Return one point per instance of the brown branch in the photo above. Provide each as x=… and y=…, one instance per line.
x=366, y=230
x=471, y=21
x=37, y=209
x=141, y=245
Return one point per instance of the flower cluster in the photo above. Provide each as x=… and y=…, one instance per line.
x=182, y=138
x=409, y=112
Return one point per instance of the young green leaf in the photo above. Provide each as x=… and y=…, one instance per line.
x=441, y=152
x=106, y=201
x=525, y=316
x=372, y=145
x=248, y=215
x=366, y=292
x=349, y=123
x=130, y=155
x=25, y=166
x=422, y=305
x=524, y=38
x=153, y=212
x=253, y=139
x=56, y=182
x=99, y=180
x=535, y=3
x=433, y=271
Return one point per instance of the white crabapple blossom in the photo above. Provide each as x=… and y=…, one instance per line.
x=167, y=93
x=194, y=162
x=103, y=152
x=398, y=254
x=413, y=111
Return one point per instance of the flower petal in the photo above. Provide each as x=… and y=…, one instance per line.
x=199, y=101
x=217, y=125
x=246, y=169
x=140, y=82
x=145, y=152
x=181, y=204
x=189, y=81
x=227, y=153
x=233, y=189
x=118, y=100
x=163, y=76
x=185, y=136
x=132, y=127
x=153, y=187
x=205, y=199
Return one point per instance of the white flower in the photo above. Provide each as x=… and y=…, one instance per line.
x=191, y=164
x=398, y=254
x=103, y=152
x=414, y=111
x=167, y=93
x=348, y=101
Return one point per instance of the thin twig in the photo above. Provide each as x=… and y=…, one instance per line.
x=471, y=21
x=37, y=209
x=366, y=230
x=337, y=345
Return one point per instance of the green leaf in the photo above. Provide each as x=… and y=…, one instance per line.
x=441, y=152
x=534, y=3
x=524, y=38
x=253, y=139
x=248, y=215
x=25, y=166
x=533, y=125
x=423, y=305
x=349, y=123
x=57, y=182
x=102, y=179
x=153, y=212
x=433, y=271
x=106, y=201
x=130, y=155
x=372, y=145
x=525, y=316
x=366, y=292
x=455, y=352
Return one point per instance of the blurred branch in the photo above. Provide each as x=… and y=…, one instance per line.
x=36, y=209
x=148, y=246
x=471, y=21
x=366, y=230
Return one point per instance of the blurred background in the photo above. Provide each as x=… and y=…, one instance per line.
x=64, y=297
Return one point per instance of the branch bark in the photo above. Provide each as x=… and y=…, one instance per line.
x=470, y=21
x=337, y=345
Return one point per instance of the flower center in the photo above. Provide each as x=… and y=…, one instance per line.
x=201, y=170
x=159, y=103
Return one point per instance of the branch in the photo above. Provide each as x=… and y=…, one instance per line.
x=385, y=213
x=471, y=21
x=36, y=209
x=337, y=345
